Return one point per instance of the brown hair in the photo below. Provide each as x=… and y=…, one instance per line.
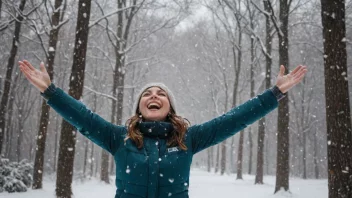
x=177, y=136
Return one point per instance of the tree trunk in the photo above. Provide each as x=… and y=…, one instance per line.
x=282, y=161
x=240, y=156
x=223, y=157
x=261, y=125
x=85, y=157
x=315, y=156
x=260, y=150
x=338, y=116
x=9, y=134
x=104, y=168
x=45, y=115
x=217, y=158
x=209, y=159
x=252, y=94
x=8, y=78
x=92, y=160
x=250, y=140
x=304, y=135
x=68, y=137
x=239, y=63
x=19, y=142
x=92, y=144
x=56, y=143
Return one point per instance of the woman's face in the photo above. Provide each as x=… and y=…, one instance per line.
x=154, y=104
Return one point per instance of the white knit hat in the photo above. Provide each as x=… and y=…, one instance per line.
x=161, y=86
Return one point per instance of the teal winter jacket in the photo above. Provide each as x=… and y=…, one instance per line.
x=156, y=171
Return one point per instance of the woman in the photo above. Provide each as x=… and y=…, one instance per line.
x=153, y=152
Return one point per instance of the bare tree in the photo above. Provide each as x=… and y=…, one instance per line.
x=282, y=161
x=338, y=116
x=10, y=65
x=261, y=123
x=67, y=139
x=45, y=114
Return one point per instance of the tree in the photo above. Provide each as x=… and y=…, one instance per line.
x=338, y=116
x=282, y=160
x=45, y=114
x=10, y=64
x=234, y=32
x=68, y=134
x=261, y=123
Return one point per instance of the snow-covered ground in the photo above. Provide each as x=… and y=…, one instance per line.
x=202, y=185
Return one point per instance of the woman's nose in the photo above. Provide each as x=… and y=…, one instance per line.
x=153, y=96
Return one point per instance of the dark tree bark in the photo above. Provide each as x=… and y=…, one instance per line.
x=338, y=116
x=45, y=114
x=9, y=133
x=261, y=124
x=282, y=160
x=124, y=22
x=68, y=137
x=10, y=65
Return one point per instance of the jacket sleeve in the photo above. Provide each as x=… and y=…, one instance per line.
x=220, y=128
x=91, y=125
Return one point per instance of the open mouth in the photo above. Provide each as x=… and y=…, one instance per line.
x=153, y=106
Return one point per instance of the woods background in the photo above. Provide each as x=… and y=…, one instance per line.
x=213, y=55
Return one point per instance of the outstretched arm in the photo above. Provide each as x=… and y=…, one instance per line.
x=216, y=130
x=91, y=125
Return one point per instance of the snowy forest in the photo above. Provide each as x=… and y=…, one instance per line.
x=213, y=54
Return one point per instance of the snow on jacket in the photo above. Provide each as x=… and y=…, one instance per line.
x=156, y=171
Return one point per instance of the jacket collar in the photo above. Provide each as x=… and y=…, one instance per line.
x=156, y=129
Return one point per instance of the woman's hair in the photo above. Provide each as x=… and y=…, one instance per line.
x=180, y=126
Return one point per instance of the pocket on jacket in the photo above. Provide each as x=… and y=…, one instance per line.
x=129, y=190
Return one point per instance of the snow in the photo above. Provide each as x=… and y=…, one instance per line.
x=202, y=185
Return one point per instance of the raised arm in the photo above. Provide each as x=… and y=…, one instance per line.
x=228, y=124
x=216, y=130
x=91, y=125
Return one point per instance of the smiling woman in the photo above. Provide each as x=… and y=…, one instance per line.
x=153, y=151
x=154, y=104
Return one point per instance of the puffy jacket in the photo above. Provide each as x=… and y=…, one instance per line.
x=156, y=171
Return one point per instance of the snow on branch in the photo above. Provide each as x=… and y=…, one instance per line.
x=101, y=94
x=274, y=20
x=60, y=24
x=271, y=15
x=108, y=15
x=261, y=10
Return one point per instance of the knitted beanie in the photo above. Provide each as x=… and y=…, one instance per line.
x=161, y=86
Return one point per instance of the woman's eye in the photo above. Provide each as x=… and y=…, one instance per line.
x=162, y=94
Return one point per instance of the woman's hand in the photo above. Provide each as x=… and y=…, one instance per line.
x=40, y=79
x=286, y=82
